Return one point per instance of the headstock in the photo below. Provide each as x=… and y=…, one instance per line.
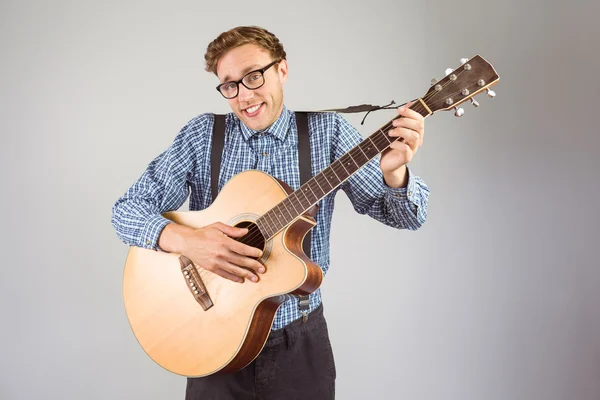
x=462, y=84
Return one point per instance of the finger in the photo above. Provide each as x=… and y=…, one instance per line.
x=407, y=112
x=243, y=249
x=409, y=136
x=230, y=230
x=415, y=125
x=239, y=271
x=247, y=262
x=227, y=275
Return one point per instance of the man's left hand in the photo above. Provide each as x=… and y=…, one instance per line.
x=394, y=159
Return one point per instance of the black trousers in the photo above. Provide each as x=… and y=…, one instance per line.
x=296, y=363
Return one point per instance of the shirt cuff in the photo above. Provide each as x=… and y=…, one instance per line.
x=404, y=193
x=152, y=229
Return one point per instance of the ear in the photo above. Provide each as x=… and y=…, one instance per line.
x=282, y=71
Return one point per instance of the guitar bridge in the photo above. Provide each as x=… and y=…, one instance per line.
x=194, y=283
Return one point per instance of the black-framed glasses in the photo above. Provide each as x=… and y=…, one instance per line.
x=252, y=80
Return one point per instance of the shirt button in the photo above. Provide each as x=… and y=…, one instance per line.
x=148, y=242
x=264, y=154
x=409, y=193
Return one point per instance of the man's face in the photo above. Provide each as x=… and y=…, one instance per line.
x=258, y=108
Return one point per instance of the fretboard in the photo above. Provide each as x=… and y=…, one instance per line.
x=325, y=182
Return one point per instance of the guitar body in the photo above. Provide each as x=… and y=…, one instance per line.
x=171, y=325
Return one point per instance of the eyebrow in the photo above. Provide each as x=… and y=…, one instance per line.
x=244, y=72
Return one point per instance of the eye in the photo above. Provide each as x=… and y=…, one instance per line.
x=254, y=77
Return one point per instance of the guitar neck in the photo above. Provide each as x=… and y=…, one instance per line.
x=325, y=182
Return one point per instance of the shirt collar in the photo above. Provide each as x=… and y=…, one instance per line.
x=279, y=128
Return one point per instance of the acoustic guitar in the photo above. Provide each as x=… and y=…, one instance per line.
x=195, y=323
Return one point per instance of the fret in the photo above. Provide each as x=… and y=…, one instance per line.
x=333, y=170
x=333, y=176
x=313, y=193
x=271, y=218
x=299, y=203
x=381, y=142
x=314, y=179
x=374, y=144
x=325, y=176
x=369, y=148
x=272, y=229
x=306, y=189
x=340, y=170
x=343, y=166
x=387, y=137
x=352, y=158
x=261, y=228
x=286, y=208
x=298, y=198
x=280, y=216
x=324, y=182
x=289, y=200
x=367, y=158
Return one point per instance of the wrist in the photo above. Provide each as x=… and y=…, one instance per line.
x=172, y=238
x=397, y=178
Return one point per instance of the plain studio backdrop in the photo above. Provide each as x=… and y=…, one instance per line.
x=496, y=297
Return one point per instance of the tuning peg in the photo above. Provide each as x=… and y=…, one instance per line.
x=449, y=70
x=433, y=81
x=463, y=60
x=474, y=102
x=459, y=112
x=491, y=93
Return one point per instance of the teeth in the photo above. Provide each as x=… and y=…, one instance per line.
x=252, y=109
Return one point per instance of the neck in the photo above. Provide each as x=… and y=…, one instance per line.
x=319, y=186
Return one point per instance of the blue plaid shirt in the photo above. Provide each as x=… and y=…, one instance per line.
x=183, y=170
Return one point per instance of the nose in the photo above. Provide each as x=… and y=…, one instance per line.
x=245, y=94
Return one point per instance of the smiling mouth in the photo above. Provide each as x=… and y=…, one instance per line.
x=251, y=111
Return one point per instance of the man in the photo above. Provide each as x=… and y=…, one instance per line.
x=250, y=64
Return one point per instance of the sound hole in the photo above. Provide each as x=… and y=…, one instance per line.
x=254, y=237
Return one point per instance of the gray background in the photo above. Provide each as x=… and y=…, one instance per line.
x=496, y=297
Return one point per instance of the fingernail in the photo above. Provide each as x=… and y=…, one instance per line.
x=401, y=109
x=254, y=279
x=261, y=269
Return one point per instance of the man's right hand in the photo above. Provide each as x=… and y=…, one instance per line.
x=213, y=248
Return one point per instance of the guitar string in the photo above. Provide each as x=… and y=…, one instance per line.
x=252, y=238
x=416, y=106
x=257, y=235
x=256, y=238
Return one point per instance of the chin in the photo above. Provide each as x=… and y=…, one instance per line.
x=254, y=124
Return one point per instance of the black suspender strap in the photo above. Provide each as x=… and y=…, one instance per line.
x=218, y=141
x=304, y=162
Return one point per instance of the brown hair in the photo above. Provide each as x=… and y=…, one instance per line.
x=240, y=36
